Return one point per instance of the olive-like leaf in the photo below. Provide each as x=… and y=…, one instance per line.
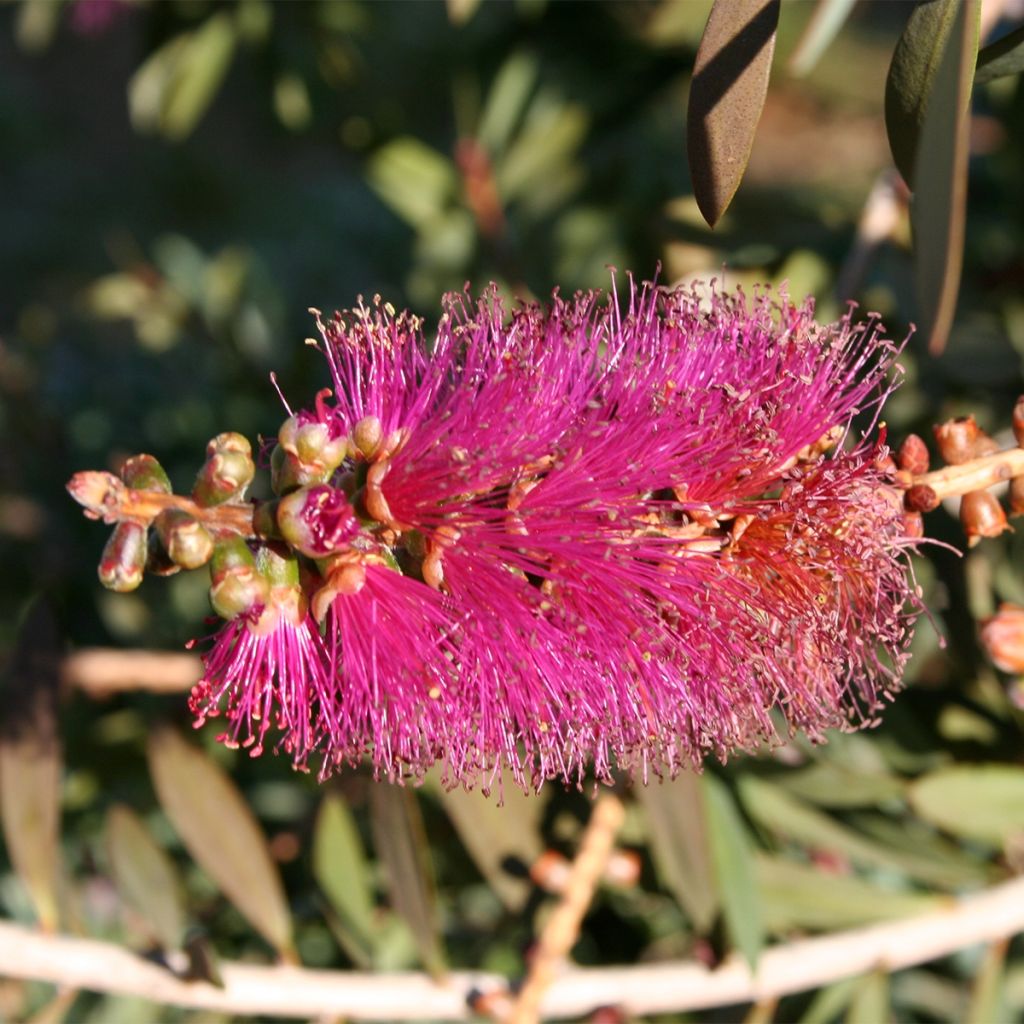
x=340, y=868
x=732, y=856
x=829, y=1002
x=870, y=1003
x=980, y=802
x=680, y=844
x=730, y=80
x=145, y=876
x=221, y=833
x=987, y=1000
x=401, y=844
x=822, y=27
x=939, y=210
x=30, y=761
x=503, y=839
x=1003, y=57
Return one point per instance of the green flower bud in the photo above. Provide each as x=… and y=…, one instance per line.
x=124, y=558
x=188, y=543
x=367, y=434
x=227, y=472
x=308, y=451
x=144, y=473
x=158, y=562
x=237, y=588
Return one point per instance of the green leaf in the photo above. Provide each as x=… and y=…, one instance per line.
x=939, y=208
x=221, y=833
x=987, y=1002
x=340, y=868
x=981, y=802
x=402, y=847
x=30, y=761
x=730, y=80
x=912, y=77
x=870, y=1003
x=680, y=844
x=830, y=785
x=496, y=835
x=417, y=182
x=823, y=26
x=733, y=863
x=830, y=1002
x=1003, y=57
x=145, y=876
x=799, y=896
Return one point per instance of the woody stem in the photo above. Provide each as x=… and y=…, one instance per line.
x=928, y=489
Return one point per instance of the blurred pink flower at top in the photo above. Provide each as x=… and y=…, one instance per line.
x=597, y=538
x=93, y=17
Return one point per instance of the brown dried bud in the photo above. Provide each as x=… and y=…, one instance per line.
x=227, y=472
x=144, y=473
x=981, y=515
x=124, y=558
x=921, y=498
x=956, y=439
x=1017, y=496
x=188, y=543
x=913, y=455
x=1002, y=636
x=1018, y=421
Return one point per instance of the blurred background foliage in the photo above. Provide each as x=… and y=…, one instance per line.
x=181, y=179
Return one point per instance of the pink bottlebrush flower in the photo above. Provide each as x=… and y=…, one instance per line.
x=592, y=538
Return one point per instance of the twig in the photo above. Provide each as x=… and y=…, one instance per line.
x=94, y=966
x=563, y=927
x=974, y=475
x=102, y=671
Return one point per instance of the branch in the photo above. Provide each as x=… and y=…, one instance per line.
x=994, y=914
x=965, y=477
x=102, y=671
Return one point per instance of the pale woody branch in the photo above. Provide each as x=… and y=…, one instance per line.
x=649, y=988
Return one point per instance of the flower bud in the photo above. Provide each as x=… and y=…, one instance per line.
x=921, y=498
x=367, y=434
x=913, y=455
x=317, y=521
x=227, y=472
x=1017, y=496
x=101, y=494
x=962, y=439
x=345, y=579
x=158, y=562
x=144, y=473
x=1002, y=636
x=188, y=543
x=913, y=525
x=237, y=588
x=981, y=515
x=309, y=449
x=124, y=558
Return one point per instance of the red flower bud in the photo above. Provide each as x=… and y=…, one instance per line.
x=1002, y=636
x=981, y=515
x=317, y=521
x=913, y=455
x=124, y=558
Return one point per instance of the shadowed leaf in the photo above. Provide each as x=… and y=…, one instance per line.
x=402, y=846
x=987, y=1002
x=730, y=79
x=1003, y=57
x=982, y=802
x=828, y=18
x=221, y=833
x=831, y=785
x=680, y=845
x=734, y=869
x=829, y=1002
x=145, y=876
x=940, y=180
x=499, y=837
x=339, y=864
x=870, y=1003
x=30, y=761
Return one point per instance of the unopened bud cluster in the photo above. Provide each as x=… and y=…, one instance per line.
x=974, y=463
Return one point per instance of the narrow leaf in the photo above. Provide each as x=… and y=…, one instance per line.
x=402, y=847
x=911, y=79
x=340, y=868
x=987, y=1003
x=870, y=1003
x=733, y=862
x=145, y=876
x=730, y=80
x=981, y=802
x=823, y=26
x=503, y=839
x=1003, y=57
x=939, y=209
x=680, y=845
x=200, y=69
x=221, y=833
x=830, y=1002
x=30, y=761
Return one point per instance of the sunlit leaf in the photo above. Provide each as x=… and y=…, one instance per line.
x=733, y=861
x=339, y=864
x=417, y=182
x=939, y=210
x=402, y=847
x=824, y=24
x=680, y=844
x=830, y=1002
x=460, y=11
x=1003, y=57
x=145, y=876
x=220, y=832
x=499, y=837
x=870, y=1003
x=800, y=896
x=987, y=1003
x=730, y=80
x=982, y=802
x=506, y=101
x=831, y=785
x=30, y=761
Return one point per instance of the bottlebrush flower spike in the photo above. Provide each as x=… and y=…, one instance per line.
x=592, y=539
